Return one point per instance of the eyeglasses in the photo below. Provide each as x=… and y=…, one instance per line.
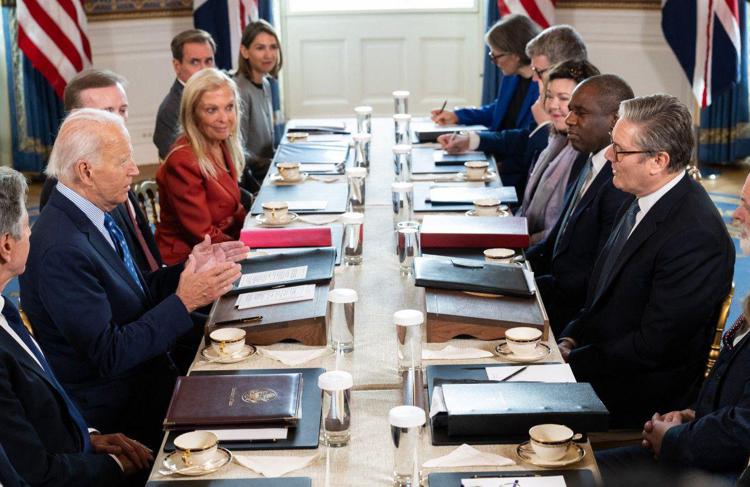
x=539, y=72
x=619, y=153
x=495, y=57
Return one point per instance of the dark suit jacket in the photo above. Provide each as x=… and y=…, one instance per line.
x=643, y=340
x=563, y=277
x=168, y=120
x=121, y=217
x=719, y=438
x=101, y=333
x=36, y=430
x=193, y=205
x=8, y=475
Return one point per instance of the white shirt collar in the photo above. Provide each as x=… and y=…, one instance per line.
x=598, y=161
x=5, y=326
x=645, y=203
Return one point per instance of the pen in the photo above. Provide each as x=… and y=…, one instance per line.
x=442, y=108
x=249, y=319
x=515, y=373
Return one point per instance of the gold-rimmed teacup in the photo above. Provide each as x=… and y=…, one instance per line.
x=227, y=341
x=476, y=170
x=523, y=340
x=550, y=441
x=289, y=171
x=197, y=447
x=275, y=211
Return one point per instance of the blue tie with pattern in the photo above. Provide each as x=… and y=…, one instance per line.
x=615, y=244
x=122, y=247
x=14, y=320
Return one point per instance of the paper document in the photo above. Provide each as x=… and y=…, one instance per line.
x=443, y=156
x=251, y=434
x=468, y=195
x=551, y=481
x=275, y=296
x=438, y=403
x=533, y=373
x=307, y=205
x=275, y=276
x=473, y=399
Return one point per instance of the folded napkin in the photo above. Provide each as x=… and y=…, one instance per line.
x=452, y=352
x=294, y=357
x=466, y=456
x=438, y=402
x=269, y=466
x=319, y=219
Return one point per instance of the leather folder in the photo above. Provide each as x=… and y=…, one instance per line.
x=573, y=478
x=200, y=402
x=423, y=161
x=310, y=153
x=526, y=404
x=484, y=232
x=319, y=262
x=256, y=237
x=423, y=203
x=337, y=240
x=303, y=436
x=262, y=482
x=471, y=275
x=429, y=132
x=336, y=194
x=467, y=194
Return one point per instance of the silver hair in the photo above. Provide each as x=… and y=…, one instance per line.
x=12, y=202
x=81, y=137
x=559, y=43
x=664, y=124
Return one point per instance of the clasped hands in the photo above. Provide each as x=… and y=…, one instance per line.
x=209, y=272
x=655, y=428
x=131, y=454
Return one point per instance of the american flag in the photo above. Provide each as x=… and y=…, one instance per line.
x=52, y=34
x=705, y=37
x=540, y=11
x=225, y=20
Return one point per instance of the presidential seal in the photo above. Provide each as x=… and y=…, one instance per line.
x=255, y=396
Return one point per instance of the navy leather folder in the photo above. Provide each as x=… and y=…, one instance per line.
x=335, y=194
x=263, y=482
x=573, y=478
x=319, y=261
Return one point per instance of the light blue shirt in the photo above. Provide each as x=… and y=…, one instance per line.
x=91, y=211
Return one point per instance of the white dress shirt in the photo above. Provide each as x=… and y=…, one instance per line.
x=645, y=203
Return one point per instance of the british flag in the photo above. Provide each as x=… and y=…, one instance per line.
x=225, y=20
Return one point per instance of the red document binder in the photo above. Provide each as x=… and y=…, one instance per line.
x=286, y=237
x=477, y=232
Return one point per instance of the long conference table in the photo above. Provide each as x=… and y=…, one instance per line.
x=368, y=458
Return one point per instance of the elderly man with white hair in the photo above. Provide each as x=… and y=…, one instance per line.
x=105, y=327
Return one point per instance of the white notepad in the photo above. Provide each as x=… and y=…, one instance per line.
x=291, y=294
x=275, y=276
x=533, y=373
x=551, y=481
x=307, y=205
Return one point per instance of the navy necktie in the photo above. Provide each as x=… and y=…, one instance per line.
x=615, y=244
x=728, y=338
x=574, y=199
x=14, y=320
x=118, y=238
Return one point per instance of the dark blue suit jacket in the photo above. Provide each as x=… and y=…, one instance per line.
x=37, y=432
x=719, y=438
x=8, y=475
x=563, y=277
x=105, y=338
x=643, y=338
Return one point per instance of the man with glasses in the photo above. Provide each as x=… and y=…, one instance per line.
x=655, y=290
x=563, y=261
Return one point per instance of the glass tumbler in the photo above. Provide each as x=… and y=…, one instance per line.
x=409, y=338
x=402, y=162
x=362, y=149
x=355, y=178
x=400, y=101
x=364, y=119
x=340, y=319
x=403, y=202
x=406, y=428
x=336, y=387
x=401, y=128
x=353, y=237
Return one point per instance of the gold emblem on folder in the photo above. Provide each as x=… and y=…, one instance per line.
x=255, y=396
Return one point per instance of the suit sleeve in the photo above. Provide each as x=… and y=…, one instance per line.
x=85, y=315
x=476, y=116
x=718, y=441
x=511, y=142
x=167, y=126
x=34, y=462
x=184, y=185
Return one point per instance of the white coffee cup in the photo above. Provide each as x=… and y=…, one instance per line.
x=197, y=447
x=499, y=256
x=476, y=170
x=486, y=206
x=227, y=341
x=275, y=211
x=289, y=170
x=523, y=340
x=550, y=441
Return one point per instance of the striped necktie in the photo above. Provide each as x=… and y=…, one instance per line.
x=737, y=326
x=122, y=247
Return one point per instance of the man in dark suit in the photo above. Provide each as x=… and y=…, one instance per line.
x=192, y=51
x=563, y=261
x=104, y=326
x=656, y=288
x=105, y=90
x=41, y=429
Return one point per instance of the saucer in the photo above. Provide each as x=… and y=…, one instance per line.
x=210, y=354
x=290, y=217
x=542, y=351
x=174, y=463
x=574, y=454
x=490, y=175
x=499, y=213
x=280, y=181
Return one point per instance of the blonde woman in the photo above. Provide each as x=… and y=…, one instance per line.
x=198, y=181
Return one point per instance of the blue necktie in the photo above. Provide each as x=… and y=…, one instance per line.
x=574, y=199
x=14, y=320
x=122, y=247
x=615, y=244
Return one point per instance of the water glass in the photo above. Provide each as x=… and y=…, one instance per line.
x=402, y=162
x=353, y=237
x=340, y=319
x=362, y=149
x=355, y=178
x=401, y=131
x=406, y=428
x=408, y=247
x=364, y=119
x=337, y=391
x=409, y=337
x=403, y=202
x=400, y=101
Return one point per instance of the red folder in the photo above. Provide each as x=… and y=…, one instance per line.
x=476, y=232
x=286, y=237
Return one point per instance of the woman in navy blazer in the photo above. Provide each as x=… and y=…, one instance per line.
x=198, y=182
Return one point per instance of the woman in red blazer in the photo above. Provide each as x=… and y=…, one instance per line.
x=198, y=181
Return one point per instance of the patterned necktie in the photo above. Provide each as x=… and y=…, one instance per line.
x=14, y=320
x=729, y=336
x=122, y=247
x=615, y=244
x=583, y=177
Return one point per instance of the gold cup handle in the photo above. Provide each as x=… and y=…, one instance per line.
x=186, y=458
x=222, y=344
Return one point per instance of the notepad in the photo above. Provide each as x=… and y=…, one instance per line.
x=533, y=373
x=275, y=296
x=300, y=205
x=275, y=276
x=551, y=481
x=251, y=434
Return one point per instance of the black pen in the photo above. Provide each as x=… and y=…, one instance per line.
x=515, y=373
x=442, y=109
x=249, y=319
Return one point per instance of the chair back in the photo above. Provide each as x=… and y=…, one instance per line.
x=713, y=352
x=147, y=194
